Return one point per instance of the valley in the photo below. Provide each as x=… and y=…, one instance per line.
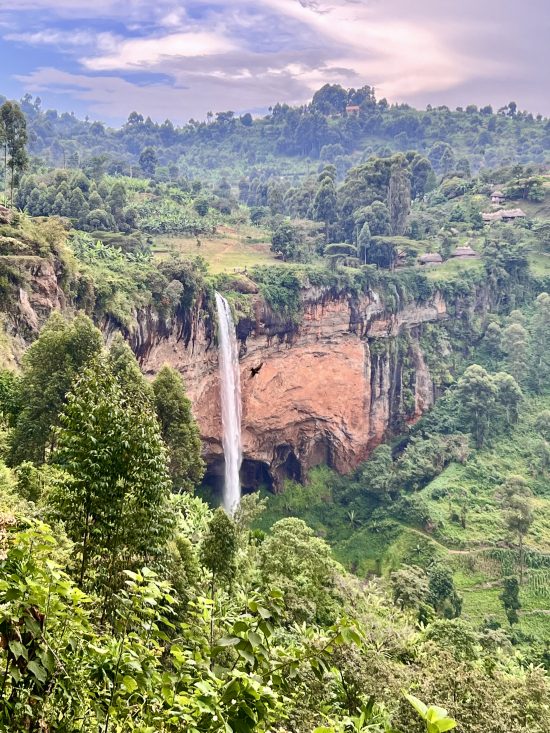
x=365, y=513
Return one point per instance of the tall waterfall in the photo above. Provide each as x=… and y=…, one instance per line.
x=231, y=404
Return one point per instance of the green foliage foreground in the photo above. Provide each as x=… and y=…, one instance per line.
x=126, y=607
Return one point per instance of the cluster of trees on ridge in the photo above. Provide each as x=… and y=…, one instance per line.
x=321, y=130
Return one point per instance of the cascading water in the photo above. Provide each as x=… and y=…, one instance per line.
x=231, y=404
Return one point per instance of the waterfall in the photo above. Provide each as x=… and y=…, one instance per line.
x=230, y=383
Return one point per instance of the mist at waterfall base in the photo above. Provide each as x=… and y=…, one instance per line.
x=230, y=393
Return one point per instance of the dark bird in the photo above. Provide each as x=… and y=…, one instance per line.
x=255, y=370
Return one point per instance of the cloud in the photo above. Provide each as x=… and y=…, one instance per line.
x=113, y=98
x=189, y=56
x=150, y=52
x=62, y=38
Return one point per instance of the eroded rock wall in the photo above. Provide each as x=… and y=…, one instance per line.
x=330, y=388
x=328, y=391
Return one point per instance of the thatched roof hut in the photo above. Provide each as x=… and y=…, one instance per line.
x=465, y=252
x=430, y=258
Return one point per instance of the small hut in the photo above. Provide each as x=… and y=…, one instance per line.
x=430, y=258
x=465, y=253
x=512, y=214
x=497, y=197
x=503, y=215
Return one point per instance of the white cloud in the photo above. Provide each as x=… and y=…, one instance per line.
x=58, y=37
x=262, y=51
x=148, y=52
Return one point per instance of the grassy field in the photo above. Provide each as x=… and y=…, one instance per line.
x=452, y=268
x=230, y=249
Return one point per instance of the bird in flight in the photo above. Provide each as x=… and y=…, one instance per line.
x=255, y=370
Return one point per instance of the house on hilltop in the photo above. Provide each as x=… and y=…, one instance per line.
x=353, y=110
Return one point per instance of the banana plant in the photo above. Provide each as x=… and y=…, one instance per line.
x=437, y=719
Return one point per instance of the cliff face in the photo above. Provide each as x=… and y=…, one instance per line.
x=38, y=294
x=329, y=390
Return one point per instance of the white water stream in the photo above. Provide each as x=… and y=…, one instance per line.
x=230, y=382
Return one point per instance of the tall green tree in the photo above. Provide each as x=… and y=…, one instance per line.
x=442, y=593
x=476, y=394
x=510, y=599
x=324, y=205
x=148, y=161
x=363, y=242
x=515, y=496
x=179, y=430
x=50, y=365
x=300, y=565
x=514, y=345
x=13, y=131
x=539, y=350
x=399, y=196
x=509, y=397
x=125, y=368
x=115, y=506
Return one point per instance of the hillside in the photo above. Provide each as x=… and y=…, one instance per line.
x=290, y=142
x=386, y=274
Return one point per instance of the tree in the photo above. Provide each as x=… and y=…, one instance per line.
x=510, y=599
x=99, y=219
x=410, y=589
x=148, y=161
x=219, y=548
x=377, y=217
x=300, y=565
x=363, y=242
x=13, y=134
x=442, y=593
x=492, y=341
x=542, y=424
x=442, y=157
x=515, y=496
x=476, y=394
x=115, y=505
x=376, y=475
x=340, y=252
x=50, y=365
x=514, y=345
x=123, y=364
x=286, y=240
x=201, y=206
x=539, y=347
x=330, y=99
x=399, y=196
x=324, y=205
x=179, y=430
x=509, y=396
x=422, y=176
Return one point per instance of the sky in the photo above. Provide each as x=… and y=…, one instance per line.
x=179, y=59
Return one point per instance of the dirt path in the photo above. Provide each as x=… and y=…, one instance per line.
x=426, y=536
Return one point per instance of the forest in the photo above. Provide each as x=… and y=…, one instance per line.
x=408, y=593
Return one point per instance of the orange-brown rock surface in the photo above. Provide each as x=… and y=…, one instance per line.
x=326, y=391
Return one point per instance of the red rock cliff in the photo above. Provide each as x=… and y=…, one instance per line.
x=329, y=390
